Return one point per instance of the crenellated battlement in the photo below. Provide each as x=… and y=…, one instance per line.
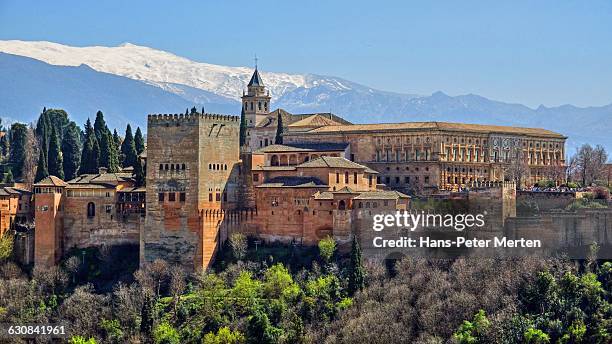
x=157, y=118
x=491, y=185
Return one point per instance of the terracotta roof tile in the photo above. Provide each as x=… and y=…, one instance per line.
x=51, y=181
x=333, y=162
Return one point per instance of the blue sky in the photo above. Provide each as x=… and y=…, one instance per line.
x=530, y=52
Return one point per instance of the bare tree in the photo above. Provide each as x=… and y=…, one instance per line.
x=517, y=169
x=590, y=163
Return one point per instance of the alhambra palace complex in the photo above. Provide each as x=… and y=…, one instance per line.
x=201, y=185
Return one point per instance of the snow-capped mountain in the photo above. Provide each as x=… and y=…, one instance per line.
x=158, y=81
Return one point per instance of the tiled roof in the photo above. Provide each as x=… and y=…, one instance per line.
x=293, y=182
x=51, y=181
x=381, y=195
x=333, y=162
x=3, y=192
x=314, y=121
x=304, y=147
x=90, y=186
x=256, y=79
x=289, y=118
x=345, y=190
x=443, y=126
x=325, y=195
x=134, y=189
x=273, y=168
x=104, y=178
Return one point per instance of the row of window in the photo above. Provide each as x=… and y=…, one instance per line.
x=217, y=197
x=260, y=105
x=161, y=197
x=171, y=167
x=407, y=179
x=417, y=155
x=217, y=167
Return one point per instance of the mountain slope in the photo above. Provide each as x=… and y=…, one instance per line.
x=32, y=84
x=219, y=88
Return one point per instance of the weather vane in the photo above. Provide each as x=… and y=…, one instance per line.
x=255, y=61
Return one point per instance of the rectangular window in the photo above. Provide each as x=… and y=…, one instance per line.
x=397, y=180
x=346, y=177
x=182, y=197
x=426, y=179
x=369, y=180
x=256, y=177
x=218, y=197
x=225, y=197
x=210, y=197
x=355, y=178
x=407, y=180
x=337, y=177
x=161, y=196
x=171, y=196
x=108, y=208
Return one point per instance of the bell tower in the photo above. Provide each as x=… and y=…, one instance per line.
x=256, y=101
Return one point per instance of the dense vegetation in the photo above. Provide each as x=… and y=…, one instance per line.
x=279, y=294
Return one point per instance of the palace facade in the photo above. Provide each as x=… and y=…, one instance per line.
x=325, y=179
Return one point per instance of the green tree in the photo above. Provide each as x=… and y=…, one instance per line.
x=81, y=340
x=278, y=283
x=90, y=156
x=100, y=127
x=327, y=247
x=6, y=246
x=43, y=129
x=4, y=145
x=8, y=177
x=18, y=143
x=224, y=336
x=140, y=175
x=55, y=159
x=139, y=142
x=71, y=151
x=108, y=154
x=471, y=332
x=243, y=128
x=58, y=119
x=128, y=148
x=41, y=168
x=164, y=333
x=147, y=315
x=112, y=330
x=279, y=130
x=259, y=329
x=356, y=275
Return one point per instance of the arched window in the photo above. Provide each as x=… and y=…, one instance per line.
x=341, y=205
x=182, y=166
x=274, y=160
x=91, y=209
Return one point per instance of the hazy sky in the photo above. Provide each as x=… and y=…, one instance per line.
x=533, y=52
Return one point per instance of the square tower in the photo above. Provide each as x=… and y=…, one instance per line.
x=192, y=180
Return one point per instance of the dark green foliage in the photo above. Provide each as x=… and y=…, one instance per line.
x=108, y=154
x=194, y=110
x=100, y=127
x=128, y=148
x=17, y=154
x=8, y=177
x=71, y=151
x=118, y=141
x=90, y=156
x=4, y=145
x=279, y=130
x=139, y=173
x=259, y=329
x=41, y=168
x=147, y=315
x=243, y=128
x=139, y=142
x=55, y=159
x=356, y=277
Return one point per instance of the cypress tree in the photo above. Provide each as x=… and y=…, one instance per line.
x=41, y=168
x=117, y=140
x=8, y=178
x=4, y=145
x=71, y=151
x=194, y=110
x=108, y=152
x=139, y=173
x=356, y=278
x=90, y=156
x=243, y=128
x=279, y=130
x=55, y=159
x=43, y=126
x=100, y=127
x=128, y=148
x=139, y=141
x=18, y=141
